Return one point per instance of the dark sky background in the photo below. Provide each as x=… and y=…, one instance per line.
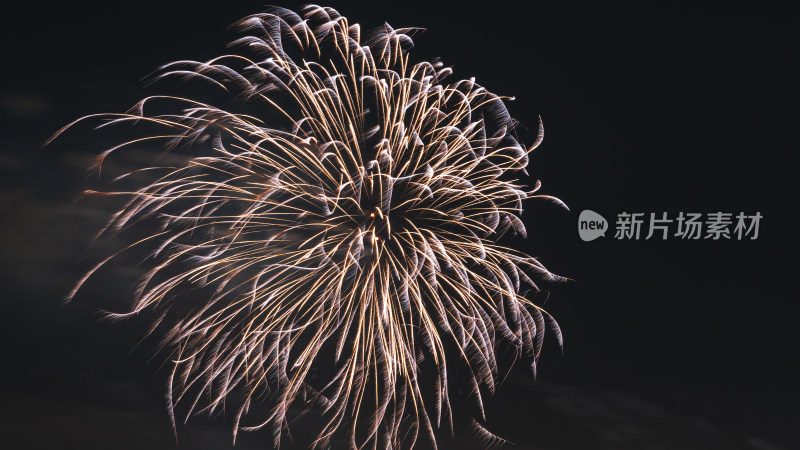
x=647, y=108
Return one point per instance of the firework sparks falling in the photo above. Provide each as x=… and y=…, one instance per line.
x=347, y=232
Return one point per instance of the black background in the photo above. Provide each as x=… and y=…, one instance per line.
x=646, y=107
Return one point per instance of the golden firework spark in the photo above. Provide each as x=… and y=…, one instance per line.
x=347, y=235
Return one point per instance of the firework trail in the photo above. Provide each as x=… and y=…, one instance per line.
x=337, y=239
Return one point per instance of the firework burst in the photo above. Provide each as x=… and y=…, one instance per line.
x=338, y=236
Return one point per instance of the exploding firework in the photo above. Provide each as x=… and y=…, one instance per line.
x=337, y=237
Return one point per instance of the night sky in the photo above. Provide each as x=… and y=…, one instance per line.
x=675, y=107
